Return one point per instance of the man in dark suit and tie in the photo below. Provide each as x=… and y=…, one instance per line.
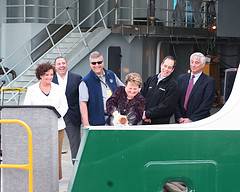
x=196, y=92
x=69, y=82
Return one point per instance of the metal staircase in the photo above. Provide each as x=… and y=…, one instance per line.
x=74, y=45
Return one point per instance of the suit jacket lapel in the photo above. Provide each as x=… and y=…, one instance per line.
x=185, y=82
x=184, y=86
x=68, y=82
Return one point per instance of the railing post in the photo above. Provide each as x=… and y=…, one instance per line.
x=70, y=18
x=84, y=41
x=55, y=10
x=204, y=14
x=185, y=13
x=102, y=18
x=132, y=9
x=29, y=54
x=24, y=11
x=78, y=15
x=116, y=12
x=167, y=14
x=50, y=37
x=5, y=72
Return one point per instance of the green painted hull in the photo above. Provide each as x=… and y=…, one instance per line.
x=142, y=161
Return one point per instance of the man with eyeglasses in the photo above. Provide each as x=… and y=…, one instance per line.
x=97, y=86
x=161, y=94
x=197, y=92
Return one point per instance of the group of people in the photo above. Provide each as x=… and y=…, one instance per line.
x=104, y=98
x=101, y=98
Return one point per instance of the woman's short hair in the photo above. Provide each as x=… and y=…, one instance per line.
x=134, y=78
x=43, y=68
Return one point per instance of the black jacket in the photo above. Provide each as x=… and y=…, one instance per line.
x=161, y=99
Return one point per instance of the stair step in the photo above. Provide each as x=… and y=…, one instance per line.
x=23, y=83
x=70, y=40
x=26, y=78
x=75, y=34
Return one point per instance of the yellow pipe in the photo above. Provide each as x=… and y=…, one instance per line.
x=19, y=89
x=15, y=166
x=28, y=166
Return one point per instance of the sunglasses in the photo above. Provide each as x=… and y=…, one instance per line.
x=98, y=62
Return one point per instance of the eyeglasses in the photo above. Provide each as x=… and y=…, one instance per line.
x=98, y=62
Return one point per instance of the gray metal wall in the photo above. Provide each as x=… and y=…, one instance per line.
x=13, y=35
x=86, y=7
x=149, y=57
x=228, y=18
x=182, y=55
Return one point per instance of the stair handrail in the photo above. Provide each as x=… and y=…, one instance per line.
x=50, y=36
x=23, y=46
x=102, y=17
x=76, y=27
x=29, y=54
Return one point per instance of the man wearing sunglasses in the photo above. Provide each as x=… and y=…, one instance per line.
x=97, y=86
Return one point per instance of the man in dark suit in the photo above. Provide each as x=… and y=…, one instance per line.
x=69, y=82
x=196, y=92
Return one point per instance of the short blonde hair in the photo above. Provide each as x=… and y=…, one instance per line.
x=134, y=78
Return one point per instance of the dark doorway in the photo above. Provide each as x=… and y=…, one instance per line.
x=114, y=60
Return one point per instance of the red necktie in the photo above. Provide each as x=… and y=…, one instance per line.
x=189, y=89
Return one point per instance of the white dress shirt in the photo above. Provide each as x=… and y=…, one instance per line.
x=62, y=82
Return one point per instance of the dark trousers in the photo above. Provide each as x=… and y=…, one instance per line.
x=74, y=136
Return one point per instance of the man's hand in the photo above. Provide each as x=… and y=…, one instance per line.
x=84, y=113
x=144, y=118
x=184, y=120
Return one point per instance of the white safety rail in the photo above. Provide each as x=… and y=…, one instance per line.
x=74, y=45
